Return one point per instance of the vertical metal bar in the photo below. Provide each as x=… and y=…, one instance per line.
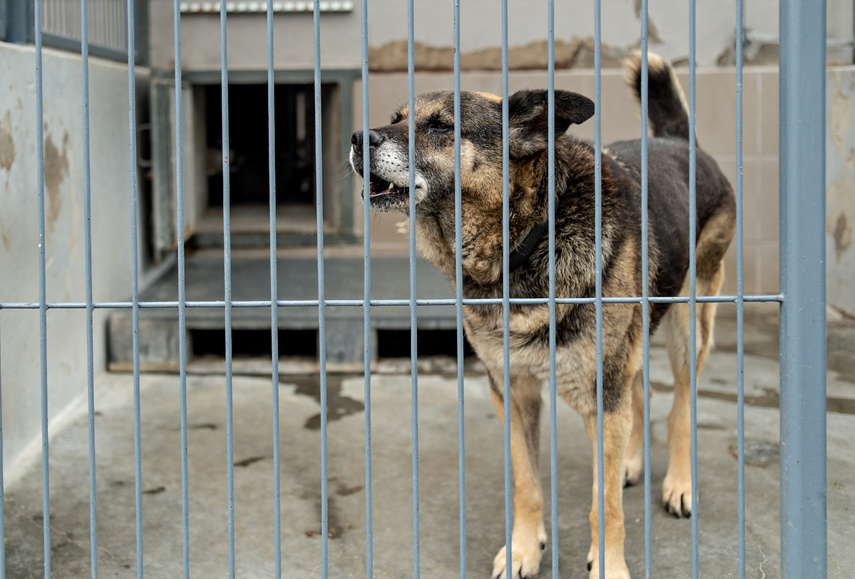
x=182, y=291
x=802, y=269
x=506, y=292
x=135, y=285
x=693, y=348
x=227, y=283
x=106, y=20
x=274, y=296
x=645, y=293
x=123, y=34
x=87, y=257
x=458, y=289
x=40, y=164
x=117, y=25
x=598, y=266
x=553, y=396
x=740, y=300
x=118, y=34
x=366, y=300
x=322, y=341
x=414, y=352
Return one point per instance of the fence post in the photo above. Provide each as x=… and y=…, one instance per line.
x=802, y=273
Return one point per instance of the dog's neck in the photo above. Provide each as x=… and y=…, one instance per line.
x=520, y=256
x=481, y=239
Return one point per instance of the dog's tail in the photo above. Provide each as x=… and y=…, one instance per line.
x=666, y=104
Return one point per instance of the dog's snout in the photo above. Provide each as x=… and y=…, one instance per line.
x=375, y=139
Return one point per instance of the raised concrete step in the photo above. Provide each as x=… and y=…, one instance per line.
x=298, y=325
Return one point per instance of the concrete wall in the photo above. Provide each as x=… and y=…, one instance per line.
x=840, y=189
x=480, y=34
x=247, y=40
x=111, y=249
x=667, y=25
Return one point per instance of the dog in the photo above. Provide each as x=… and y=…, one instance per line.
x=481, y=182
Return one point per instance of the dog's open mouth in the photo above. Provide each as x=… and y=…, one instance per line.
x=382, y=188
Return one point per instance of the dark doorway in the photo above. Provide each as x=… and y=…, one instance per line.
x=248, y=147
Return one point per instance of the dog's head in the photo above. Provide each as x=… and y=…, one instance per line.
x=480, y=144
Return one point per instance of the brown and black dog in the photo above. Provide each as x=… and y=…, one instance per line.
x=575, y=274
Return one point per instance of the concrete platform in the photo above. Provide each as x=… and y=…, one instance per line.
x=297, y=280
x=392, y=483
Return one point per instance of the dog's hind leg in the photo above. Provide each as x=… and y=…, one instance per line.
x=529, y=535
x=677, y=486
x=633, y=462
x=616, y=431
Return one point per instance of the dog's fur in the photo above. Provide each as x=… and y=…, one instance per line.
x=575, y=275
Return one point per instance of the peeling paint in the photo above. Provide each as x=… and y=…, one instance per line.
x=576, y=53
x=838, y=224
x=842, y=235
x=652, y=29
x=76, y=222
x=7, y=143
x=56, y=170
x=7, y=159
x=756, y=52
x=5, y=237
x=840, y=184
x=840, y=118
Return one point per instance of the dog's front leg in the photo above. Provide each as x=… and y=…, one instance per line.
x=616, y=430
x=529, y=535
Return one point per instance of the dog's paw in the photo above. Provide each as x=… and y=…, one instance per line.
x=677, y=496
x=615, y=567
x=525, y=560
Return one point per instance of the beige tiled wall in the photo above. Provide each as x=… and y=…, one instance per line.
x=716, y=128
x=716, y=102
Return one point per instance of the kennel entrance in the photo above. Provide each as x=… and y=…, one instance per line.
x=248, y=160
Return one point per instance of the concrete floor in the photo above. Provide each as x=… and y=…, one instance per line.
x=392, y=482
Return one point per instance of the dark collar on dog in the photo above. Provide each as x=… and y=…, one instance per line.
x=521, y=254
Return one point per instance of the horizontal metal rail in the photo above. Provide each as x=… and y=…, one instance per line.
x=390, y=302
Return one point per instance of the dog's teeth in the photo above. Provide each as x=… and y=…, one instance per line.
x=391, y=186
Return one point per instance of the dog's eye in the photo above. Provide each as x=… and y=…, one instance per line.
x=437, y=127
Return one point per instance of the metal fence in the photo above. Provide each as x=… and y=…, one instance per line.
x=802, y=356
x=61, y=24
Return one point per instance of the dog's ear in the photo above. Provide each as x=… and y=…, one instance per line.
x=528, y=118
